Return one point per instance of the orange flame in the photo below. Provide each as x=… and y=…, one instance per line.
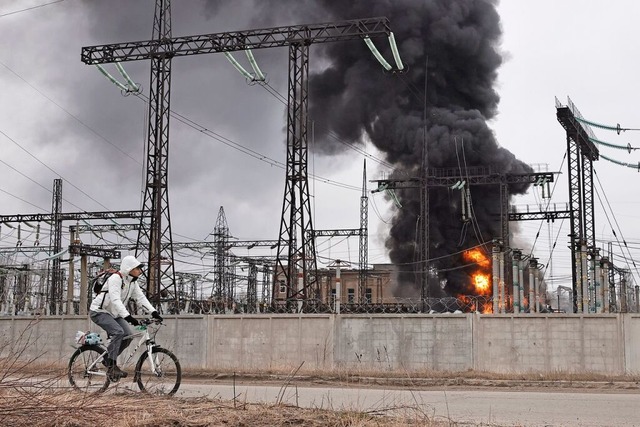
x=481, y=283
x=487, y=307
x=477, y=256
x=476, y=305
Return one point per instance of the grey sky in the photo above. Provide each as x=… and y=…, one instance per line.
x=576, y=48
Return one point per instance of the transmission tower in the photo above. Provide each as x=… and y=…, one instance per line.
x=156, y=236
x=55, y=284
x=222, y=292
x=581, y=153
x=296, y=229
x=363, y=247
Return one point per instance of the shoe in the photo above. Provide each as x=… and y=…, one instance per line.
x=115, y=373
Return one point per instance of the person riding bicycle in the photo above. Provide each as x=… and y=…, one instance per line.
x=109, y=311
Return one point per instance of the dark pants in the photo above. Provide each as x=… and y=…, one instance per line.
x=116, y=329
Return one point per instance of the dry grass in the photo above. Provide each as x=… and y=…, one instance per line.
x=74, y=409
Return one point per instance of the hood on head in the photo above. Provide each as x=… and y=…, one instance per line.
x=128, y=263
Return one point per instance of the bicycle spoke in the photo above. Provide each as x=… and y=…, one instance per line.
x=165, y=375
x=85, y=373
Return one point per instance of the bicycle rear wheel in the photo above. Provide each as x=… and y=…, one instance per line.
x=85, y=373
x=167, y=376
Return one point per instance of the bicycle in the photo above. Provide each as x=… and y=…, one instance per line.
x=160, y=375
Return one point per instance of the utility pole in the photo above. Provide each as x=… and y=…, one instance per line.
x=296, y=240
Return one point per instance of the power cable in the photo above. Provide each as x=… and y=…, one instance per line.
x=29, y=178
x=474, y=221
x=546, y=209
x=56, y=173
x=544, y=273
x=274, y=92
x=76, y=118
x=232, y=144
x=617, y=225
x=30, y=8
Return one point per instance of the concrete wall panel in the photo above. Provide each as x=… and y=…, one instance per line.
x=631, y=331
x=411, y=342
x=606, y=343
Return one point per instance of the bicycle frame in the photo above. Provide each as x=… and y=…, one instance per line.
x=144, y=338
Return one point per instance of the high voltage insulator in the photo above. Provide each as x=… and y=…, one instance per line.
x=131, y=86
x=257, y=77
x=394, y=50
x=627, y=147
x=629, y=165
x=377, y=54
x=260, y=76
x=616, y=128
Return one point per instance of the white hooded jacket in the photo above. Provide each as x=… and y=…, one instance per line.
x=120, y=291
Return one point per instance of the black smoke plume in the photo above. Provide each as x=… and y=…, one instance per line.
x=457, y=41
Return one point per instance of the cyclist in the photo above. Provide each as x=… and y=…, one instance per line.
x=109, y=311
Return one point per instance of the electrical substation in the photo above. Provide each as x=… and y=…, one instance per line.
x=499, y=277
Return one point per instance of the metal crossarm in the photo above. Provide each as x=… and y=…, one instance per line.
x=94, y=251
x=236, y=40
x=536, y=216
x=72, y=216
x=448, y=181
x=334, y=233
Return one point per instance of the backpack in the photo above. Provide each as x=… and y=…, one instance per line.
x=97, y=283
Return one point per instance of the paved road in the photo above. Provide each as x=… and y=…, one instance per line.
x=488, y=406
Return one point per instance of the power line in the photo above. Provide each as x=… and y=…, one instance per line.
x=617, y=225
x=30, y=8
x=23, y=200
x=245, y=150
x=274, y=92
x=47, y=166
x=73, y=116
x=546, y=209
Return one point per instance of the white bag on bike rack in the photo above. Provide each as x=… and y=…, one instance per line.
x=80, y=337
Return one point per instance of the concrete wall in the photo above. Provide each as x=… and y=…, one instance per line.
x=606, y=343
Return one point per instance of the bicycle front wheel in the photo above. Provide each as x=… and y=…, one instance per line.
x=86, y=372
x=167, y=375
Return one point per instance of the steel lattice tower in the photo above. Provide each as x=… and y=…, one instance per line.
x=222, y=292
x=581, y=152
x=55, y=286
x=363, y=247
x=296, y=228
x=156, y=236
